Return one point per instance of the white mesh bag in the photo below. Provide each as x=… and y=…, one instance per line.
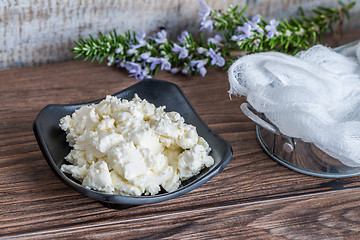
x=314, y=96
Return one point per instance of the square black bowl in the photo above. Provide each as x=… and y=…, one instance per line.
x=52, y=140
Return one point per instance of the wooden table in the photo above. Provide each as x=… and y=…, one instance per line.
x=252, y=198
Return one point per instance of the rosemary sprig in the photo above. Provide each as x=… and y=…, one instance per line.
x=144, y=56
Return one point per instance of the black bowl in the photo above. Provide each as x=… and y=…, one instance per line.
x=52, y=140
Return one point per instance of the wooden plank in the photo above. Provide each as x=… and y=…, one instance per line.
x=320, y=216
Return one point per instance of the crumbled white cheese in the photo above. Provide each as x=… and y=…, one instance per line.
x=132, y=148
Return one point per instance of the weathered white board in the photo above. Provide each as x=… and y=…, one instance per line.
x=36, y=32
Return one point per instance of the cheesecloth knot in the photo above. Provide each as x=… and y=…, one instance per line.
x=314, y=95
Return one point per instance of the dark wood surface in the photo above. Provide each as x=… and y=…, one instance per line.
x=252, y=198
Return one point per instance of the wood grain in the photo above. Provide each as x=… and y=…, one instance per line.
x=252, y=198
x=320, y=216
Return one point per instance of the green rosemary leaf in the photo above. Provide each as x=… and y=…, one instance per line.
x=156, y=69
x=317, y=12
x=253, y=48
x=191, y=38
x=101, y=58
x=288, y=42
x=243, y=10
x=306, y=19
x=78, y=55
x=282, y=40
x=286, y=22
x=92, y=38
x=282, y=24
x=350, y=6
x=295, y=21
x=341, y=4
x=245, y=48
x=328, y=10
x=127, y=34
x=261, y=46
x=301, y=10
x=101, y=36
x=296, y=50
x=272, y=43
x=201, y=40
x=121, y=40
x=79, y=44
x=83, y=40
x=93, y=58
x=116, y=35
x=313, y=36
x=306, y=43
x=347, y=14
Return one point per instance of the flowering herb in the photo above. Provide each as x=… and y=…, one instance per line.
x=143, y=56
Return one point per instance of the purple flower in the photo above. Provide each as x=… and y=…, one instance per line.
x=142, y=75
x=254, y=24
x=145, y=55
x=200, y=65
x=136, y=70
x=132, y=67
x=255, y=20
x=183, y=52
x=119, y=49
x=165, y=64
x=234, y=38
x=185, y=70
x=204, y=11
x=201, y=50
x=131, y=51
x=160, y=36
x=216, y=58
x=246, y=29
x=119, y=63
x=140, y=36
x=182, y=38
x=175, y=70
x=207, y=24
x=215, y=40
x=272, y=28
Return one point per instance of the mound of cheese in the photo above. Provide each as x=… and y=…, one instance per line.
x=132, y=148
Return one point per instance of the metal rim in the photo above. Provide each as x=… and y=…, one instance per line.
x=298, y=169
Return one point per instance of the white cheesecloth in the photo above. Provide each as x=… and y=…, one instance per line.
x=314, y=96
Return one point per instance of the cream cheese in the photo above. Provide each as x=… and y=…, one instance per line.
x=132, y=148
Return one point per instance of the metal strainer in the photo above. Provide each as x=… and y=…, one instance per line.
x=294, y=153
